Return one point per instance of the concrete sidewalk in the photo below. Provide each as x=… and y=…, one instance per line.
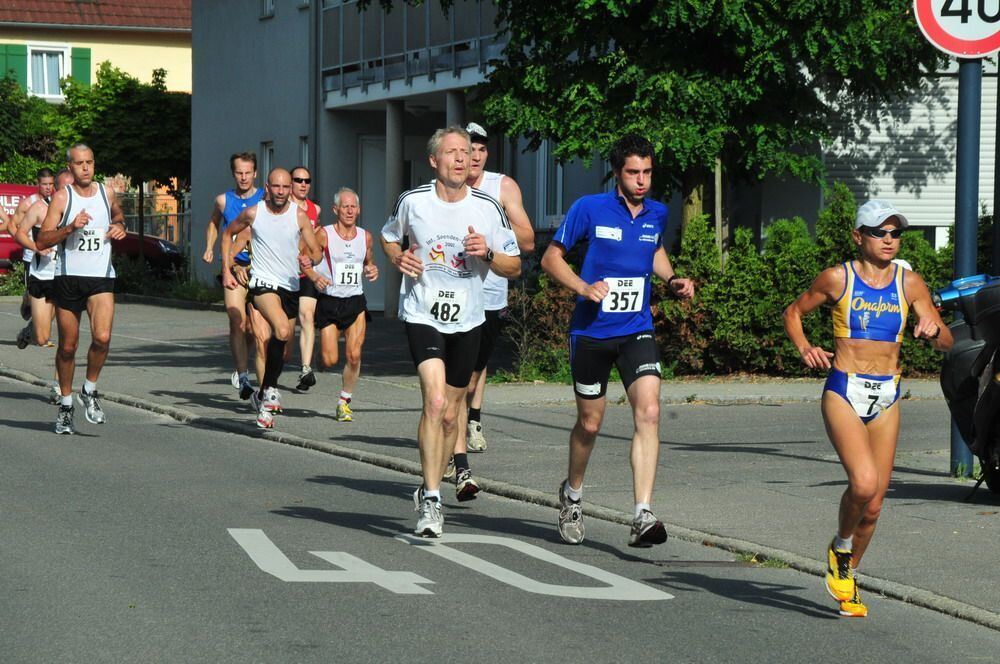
x=745, y=464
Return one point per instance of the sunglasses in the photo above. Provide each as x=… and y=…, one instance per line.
x=880, y=233
x=302, y=180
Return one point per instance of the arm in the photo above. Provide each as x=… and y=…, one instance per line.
x=239, y=224
x=681, y=288
x=51, y=234
x=502, y=264
x=554, y=264
x=822, y=290
x=371, y=269
x=23, y=231
x=116, y=230
x=5, y=221
x=212, y=229
x=929, y=324
x=307, y=265
x=308, y=236
x=513, y=206
x=12, y=222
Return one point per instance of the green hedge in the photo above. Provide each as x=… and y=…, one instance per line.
x=733, y=324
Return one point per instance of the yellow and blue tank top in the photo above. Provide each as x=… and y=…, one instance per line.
x=877, y=314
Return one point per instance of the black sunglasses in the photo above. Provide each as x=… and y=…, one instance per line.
x=302, y=180
x=880, y=233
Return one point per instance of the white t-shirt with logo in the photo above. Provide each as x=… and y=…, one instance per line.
x=495, y=288
x=448, y=294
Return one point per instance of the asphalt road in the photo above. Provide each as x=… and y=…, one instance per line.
x=149, y=540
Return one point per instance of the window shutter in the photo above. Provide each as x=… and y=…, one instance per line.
x=80, y=71
x=15, y=57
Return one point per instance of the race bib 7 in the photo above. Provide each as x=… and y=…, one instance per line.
x=870, y=396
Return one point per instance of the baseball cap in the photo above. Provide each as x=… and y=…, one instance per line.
x=874, y=212
x=476, y=132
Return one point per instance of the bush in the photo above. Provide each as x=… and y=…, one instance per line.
x=137, y=277
x=12, y=283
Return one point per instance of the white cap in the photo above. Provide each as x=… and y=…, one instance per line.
x=874, y=212
x=476, y=132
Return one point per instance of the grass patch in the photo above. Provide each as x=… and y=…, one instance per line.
x=759, y=560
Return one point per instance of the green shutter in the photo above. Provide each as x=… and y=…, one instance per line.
x=81, y=65
x=15, y=57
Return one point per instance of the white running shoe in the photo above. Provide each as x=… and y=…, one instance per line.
x=246, y=389
x=466, y=487
x=430, y=523
x=235, y=380
x=647, y=530
x=476, y=441
x=92, y=407
x=571, y=528
x=272, y=400
x=64, y=420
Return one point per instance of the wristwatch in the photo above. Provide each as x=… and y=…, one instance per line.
x=489, y=256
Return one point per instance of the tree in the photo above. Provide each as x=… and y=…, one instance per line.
x=755, y=82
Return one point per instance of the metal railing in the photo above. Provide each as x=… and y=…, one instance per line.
x=164, y=216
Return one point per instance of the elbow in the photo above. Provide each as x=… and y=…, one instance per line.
x=527, y=247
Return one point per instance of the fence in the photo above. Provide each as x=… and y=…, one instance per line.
x=164, y=216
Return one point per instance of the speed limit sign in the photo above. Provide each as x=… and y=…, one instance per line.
x=963, y=28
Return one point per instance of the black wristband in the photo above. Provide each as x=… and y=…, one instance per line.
x=671, y=278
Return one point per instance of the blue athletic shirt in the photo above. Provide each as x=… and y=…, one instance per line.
x=620, y=249
x=234, y=206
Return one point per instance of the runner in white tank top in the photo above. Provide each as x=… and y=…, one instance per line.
x=81, y=221
x=341, y=305
x=278, y=229
x=45, y=181
x=505, y=190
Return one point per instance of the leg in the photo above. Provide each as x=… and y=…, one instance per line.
x=42, y=312
x=288, y=347
x=644, y=396
x=589, y=415
x=307, y=331
x=272, y=316
x=235, y=301
x=329, y=352
x=883, y=432
x=101, y=311
x=430, y=431
x=851, y=441
x=354, y=338
x=68, y=323
x=261, y=331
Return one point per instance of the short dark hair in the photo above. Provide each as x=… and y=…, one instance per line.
x=44, y=173
x=243, y=156
x=301, y=168
x=629, y=145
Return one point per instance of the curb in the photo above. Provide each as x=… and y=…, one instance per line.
x=892, y=589
x=131, y=298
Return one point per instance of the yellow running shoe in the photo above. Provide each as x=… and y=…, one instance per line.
x=839, y=576
x=344, y=413
x=853, y=608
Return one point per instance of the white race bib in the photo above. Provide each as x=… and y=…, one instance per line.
x=625, y=295
x=89, y=241
x=347, y=274
x=256, y=282
x=447, y=305
x=870, y=396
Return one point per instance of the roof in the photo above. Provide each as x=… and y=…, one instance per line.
x=172, y=15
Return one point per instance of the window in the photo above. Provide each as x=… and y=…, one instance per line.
x=266, y=159
x=304, y=151
x=47, y=64
x=266, y=8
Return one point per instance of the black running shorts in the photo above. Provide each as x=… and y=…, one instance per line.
x=458, y=350
x=41, y=289
x=289, y=299
x=71, y=293
x=491, y=333
x=591, y=360
x=340, y=311
x=307, y=288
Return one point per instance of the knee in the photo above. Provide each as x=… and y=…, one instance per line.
x=648, y=414
x=863, y=488
x=101, y=340
x=67, y=349
x=328, y=359
x=283, y=332
x=589, y=426
x=41, y=337
x=434, y=406
x=236, y=321
x=872, y=512
x=354, y=357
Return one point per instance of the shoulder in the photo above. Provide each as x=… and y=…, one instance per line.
x=832, y=280
x=25, y=204
x=413, y=196
x=61, y=196
x=912, y=281
x=220, y=200
x=508, y=188
x=657, y=207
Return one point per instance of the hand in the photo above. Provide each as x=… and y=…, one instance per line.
x=475, y=244
x=596, y=291
x=408, y=263
x=816, y=358
x=229, y=281
x=45, y=252
x=80, y=220
x=241, y=274
x=926, y=328
x=116, y=231
x=371, y=272
x=305, y=262
x=682, y=288
x=208, y=256
x=321, y=282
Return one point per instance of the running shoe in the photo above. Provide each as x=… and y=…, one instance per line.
x=24, y=337
x=272, y=401
x=307, y=379
x=647, y=530
x=55, y=396
x=449, y=472
x=571, y=528
x=246, y=389
x=854, y=608
x=476, y=441
x=430, y=523
x=25, y=308
x=344, y=412
x=235, y=380
x=265, y=420
x=466, y=488
x=92, y=407
x=64, y=420
x=839, y=576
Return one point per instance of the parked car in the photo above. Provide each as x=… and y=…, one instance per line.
x=160, y=254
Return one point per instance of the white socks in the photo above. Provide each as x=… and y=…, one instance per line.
x=842, y=544
x=573, y=494
x=639, y=507
x=88, y=387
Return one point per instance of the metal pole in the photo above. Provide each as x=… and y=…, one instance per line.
x=995, y=259
x=970, y=95
x=394, y=186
